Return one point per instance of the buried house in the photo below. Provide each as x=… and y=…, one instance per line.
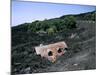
x=51, y=51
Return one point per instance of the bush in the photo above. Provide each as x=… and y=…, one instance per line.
x=51, y=30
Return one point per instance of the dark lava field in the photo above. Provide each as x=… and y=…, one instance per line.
x=81, y=53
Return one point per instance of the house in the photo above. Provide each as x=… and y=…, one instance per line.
x=51, y=51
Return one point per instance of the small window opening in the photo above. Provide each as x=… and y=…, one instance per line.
x=59, y=50
x=66, y=48
x=50, y=53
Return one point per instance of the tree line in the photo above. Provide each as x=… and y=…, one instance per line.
x=53, y=25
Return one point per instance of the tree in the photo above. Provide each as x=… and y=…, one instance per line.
x=44, y=25
x=70, y=22
x=93, y=17
x=32, y=26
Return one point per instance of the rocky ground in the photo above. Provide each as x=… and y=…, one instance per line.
x=81, y=54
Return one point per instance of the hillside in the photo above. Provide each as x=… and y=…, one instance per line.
x=83, y=16
x=79, y=56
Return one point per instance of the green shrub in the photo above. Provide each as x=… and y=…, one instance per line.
x=70, y=22
x=51, y=30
